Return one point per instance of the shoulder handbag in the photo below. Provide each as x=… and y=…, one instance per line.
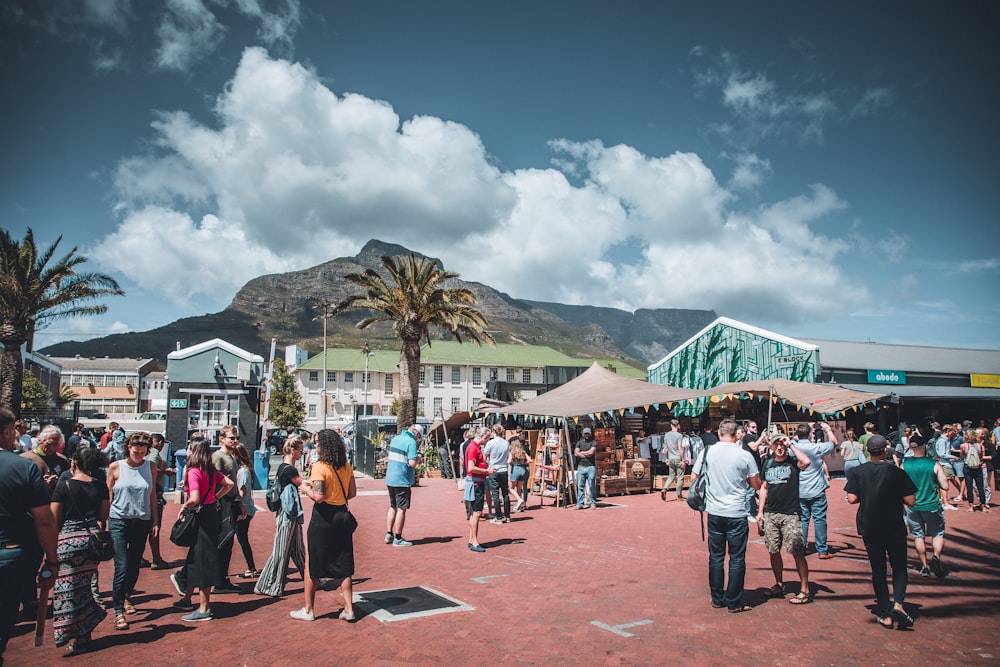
x=351, y=521
x=229, y=514
x=184, y=532
x=100, y=546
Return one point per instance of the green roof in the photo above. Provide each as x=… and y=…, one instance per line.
x=447, y=352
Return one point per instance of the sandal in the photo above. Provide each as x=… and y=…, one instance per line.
x=885, y=622
x=128, y=607
x=776, y=591
x=249, y=574
x=903, y=620
x=120, y=622
x=740, y=610
x=801, y=598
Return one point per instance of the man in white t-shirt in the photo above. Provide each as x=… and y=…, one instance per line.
x=731, y=471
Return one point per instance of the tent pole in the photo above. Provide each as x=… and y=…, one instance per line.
x=570, y=463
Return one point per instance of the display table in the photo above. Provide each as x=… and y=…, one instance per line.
x=634, y=476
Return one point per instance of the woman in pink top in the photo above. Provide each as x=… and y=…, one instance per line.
x=201, y=568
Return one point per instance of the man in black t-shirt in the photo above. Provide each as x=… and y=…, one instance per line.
x=779, y=519
x=24, y=499
x=881, y=489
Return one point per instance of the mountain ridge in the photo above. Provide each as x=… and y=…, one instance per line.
x=288, y=307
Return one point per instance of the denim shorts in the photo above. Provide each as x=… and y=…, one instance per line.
x=925, y=523
x=518, y=472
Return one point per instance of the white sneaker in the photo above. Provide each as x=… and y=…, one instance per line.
x=302, y=615
x=496, y=521
x=949, y=507
x=389, y=537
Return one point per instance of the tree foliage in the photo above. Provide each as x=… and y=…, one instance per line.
x=34, y=397
x=415, y=297
x=287, y=409
x=36, y=288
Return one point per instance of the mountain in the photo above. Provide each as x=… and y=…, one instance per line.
x=289, y=306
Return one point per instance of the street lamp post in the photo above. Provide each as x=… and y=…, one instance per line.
x=322, y=392
x=368, y=354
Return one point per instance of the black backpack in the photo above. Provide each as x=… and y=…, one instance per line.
x=273, y=496
x=698, y=491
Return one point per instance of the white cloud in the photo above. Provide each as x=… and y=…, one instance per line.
x=762, y=107
x=750, y=173
x=293, y=174
x=977, y=265
x=187, y=33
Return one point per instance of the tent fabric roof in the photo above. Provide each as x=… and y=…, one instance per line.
x=822, y=398
x=599, y=390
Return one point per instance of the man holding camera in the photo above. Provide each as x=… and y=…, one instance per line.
x=813, y=482
x=778, y=518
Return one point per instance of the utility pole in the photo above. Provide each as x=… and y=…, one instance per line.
x=325, y=316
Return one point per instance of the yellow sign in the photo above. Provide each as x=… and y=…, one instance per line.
x=982, y=380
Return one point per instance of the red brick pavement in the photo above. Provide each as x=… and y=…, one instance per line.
x=555, y=573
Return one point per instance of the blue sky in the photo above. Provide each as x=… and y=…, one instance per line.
x=823, y=170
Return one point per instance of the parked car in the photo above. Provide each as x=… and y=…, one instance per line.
x=152, y=416
x=276, y=437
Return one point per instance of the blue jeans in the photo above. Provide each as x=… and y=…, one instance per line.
x=815, y=508
x=726, y=532
x=500, y=491
x=15, y=566
x=586, y=476
x=129, y=536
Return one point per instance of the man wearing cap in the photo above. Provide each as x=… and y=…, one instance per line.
x=586, y=473
x=813, y=484
x=926, y=517
x=400, y=475
x=881, y=489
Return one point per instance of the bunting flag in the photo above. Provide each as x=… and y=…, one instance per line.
x=622, y=411
x=576, y=420
x=656, y=406
x=774, y=399
x=670, y=406
x=647, y=407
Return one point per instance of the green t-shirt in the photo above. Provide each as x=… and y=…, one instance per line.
x=921, y=471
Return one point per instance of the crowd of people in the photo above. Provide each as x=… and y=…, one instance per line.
x=54, y=496
x=898, y=489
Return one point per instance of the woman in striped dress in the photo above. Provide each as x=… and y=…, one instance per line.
x=287, y=525
x=78, y=503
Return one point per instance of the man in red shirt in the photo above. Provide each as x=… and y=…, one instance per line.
x=476, y=473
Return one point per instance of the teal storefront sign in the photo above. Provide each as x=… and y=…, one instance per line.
x=178, y=402
x=886, y=377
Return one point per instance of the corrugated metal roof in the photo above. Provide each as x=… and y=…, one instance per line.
x=909, y=358
x=919, y=391
x=104, y=364
x=444, y=352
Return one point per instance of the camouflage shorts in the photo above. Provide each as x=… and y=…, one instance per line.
x=783, y=529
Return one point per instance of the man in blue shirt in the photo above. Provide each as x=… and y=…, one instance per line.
x=400, y=475
x=813, y=484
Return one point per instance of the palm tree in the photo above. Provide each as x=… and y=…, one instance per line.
x=415, y=299
x=35, y=289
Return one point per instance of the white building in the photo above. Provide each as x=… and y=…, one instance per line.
x=453, y=377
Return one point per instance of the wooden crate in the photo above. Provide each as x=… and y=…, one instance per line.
x=612, y=486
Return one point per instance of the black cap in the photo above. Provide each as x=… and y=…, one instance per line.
x=877, y=444
x=917, y=441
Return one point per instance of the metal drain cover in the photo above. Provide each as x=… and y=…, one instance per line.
x=400, y=604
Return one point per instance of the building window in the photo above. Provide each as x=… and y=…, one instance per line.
x=456, y=375
x=494, y=375
x=526, y=376
x=388, y=383
x=348, y=377
x=423, y=377
x=438, y=375
x=455, y=405
x=331, y=376
x=314, y=376
x=477, y=377
x=312, y=411
x=437, y=406
x=420, y=406
x=510, y=375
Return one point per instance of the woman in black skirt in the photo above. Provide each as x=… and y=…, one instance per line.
x=330, y=538
x=201, y=569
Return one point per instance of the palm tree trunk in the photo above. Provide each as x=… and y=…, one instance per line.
x=409, y=383
x=11, y=369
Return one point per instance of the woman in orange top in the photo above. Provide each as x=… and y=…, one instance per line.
x=330, y=548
